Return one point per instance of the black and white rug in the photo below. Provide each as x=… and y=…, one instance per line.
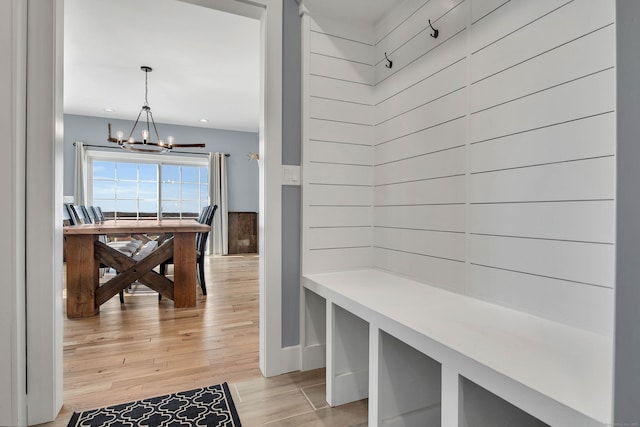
x=208, y=407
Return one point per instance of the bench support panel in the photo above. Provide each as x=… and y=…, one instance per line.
x=450, y=396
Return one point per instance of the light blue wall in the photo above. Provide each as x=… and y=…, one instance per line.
x=242, y=173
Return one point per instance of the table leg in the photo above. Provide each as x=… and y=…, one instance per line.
x=83, y=276
x=184, y=267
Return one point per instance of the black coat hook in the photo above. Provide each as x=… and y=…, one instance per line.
x=435, y=32
x=389, y=62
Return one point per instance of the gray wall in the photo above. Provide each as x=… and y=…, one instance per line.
x=291, y=146
x=242, y=173
x=627, y=312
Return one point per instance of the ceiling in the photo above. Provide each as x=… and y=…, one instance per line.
x=366, y=12
x=206, y=63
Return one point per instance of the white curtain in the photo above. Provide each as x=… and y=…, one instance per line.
x=219, y=245
x=80, y=180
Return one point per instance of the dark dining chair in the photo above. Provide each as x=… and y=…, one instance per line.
x=93, y=213
x=78, y=214
x=99, y=213
x=89, y=214
x=81, y=214
x=67, y=217
x=206, y=217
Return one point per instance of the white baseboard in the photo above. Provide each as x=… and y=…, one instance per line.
x=290, y=359
x=314, y=357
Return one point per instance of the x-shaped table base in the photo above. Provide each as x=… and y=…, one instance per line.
x=85, y=254
x=130, y=271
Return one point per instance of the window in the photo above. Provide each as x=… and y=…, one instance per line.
x=185, y=190
x=147, y=186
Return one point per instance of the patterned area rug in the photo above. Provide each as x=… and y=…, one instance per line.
x=210, y=406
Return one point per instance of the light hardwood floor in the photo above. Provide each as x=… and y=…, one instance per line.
x=145, y=348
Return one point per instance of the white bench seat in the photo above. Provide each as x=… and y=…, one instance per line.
x=557, y=373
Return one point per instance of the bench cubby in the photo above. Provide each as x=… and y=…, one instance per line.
x=408, y=385
x=348, y=365
x=481, y=408
x=315, y=334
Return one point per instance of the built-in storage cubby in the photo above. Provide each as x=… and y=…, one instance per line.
x=348, y=367
x=481, y=408
x=408, y=386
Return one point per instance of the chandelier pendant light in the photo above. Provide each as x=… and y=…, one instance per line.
x=146, y=145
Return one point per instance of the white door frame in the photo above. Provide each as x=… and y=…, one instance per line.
x=44, y=183
x=44, y=166
x=13, y=40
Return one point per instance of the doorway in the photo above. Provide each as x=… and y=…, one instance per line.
x=44, y=165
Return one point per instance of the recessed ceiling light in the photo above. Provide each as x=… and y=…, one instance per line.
x=204, y=121
x=109, y=110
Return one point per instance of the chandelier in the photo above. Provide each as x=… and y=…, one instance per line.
x=146, y=145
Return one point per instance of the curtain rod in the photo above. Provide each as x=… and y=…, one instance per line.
x=172, y=151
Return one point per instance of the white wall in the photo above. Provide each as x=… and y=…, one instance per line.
x=337, y=151
x=493, y=152
x=541, y=159
x=420, y=145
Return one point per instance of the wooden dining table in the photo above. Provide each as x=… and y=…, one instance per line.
x=86, y=252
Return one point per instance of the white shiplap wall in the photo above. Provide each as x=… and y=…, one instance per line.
x=337, y=153
x=541, y=158
x=420, y=144
x=483, y=159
